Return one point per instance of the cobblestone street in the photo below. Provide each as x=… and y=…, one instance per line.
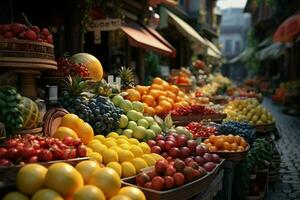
x=288, y=185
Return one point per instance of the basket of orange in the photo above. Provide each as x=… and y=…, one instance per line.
x=231, y=147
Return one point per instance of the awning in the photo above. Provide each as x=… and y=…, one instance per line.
x=288, y=30
x=212, y=54
x=139, y=36
x=185, y=28
x=244, y=56
x=272, y=51
x=213, y=47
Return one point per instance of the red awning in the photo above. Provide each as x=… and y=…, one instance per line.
x=288, y=30
x=145, y=38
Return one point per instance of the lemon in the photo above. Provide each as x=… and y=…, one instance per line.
x=125, y=146
x=110, y=155
x=125, y=155
x=145, y=147
x=133, y=141
x=101, y=138
x=139, y=164
x=156, y=156
x=121, y=141
x=109, y=139
x=128, y=169
x=116, y=148
x=113, y=135
x=110, y=143
x=136, y=150
x=123, y=137
x=89, y=150
x=15, y=196
x=115, y=166
x=95, y=156
x=99, y=148
x=149, y=159
x=92, y=142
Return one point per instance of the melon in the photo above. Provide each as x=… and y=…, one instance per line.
x=30, y=113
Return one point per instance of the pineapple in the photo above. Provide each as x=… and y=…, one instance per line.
x=127, y=77
x=103, y=88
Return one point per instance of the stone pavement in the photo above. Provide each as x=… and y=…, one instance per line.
x=288, y=185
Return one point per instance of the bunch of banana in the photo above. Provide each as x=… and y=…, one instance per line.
x=10, y=112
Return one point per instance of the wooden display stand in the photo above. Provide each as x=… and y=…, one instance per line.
x=184, y=120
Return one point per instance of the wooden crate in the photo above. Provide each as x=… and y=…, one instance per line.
x=183, y=192
x=233, y=156
x=265, y=128
x=184, y=120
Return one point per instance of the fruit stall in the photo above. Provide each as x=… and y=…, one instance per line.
x=97, y=139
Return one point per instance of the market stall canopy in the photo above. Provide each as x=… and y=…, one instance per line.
x=242, y=57
x=288, y=30
x=272, y=51
x=212, y=48
x=142, y=37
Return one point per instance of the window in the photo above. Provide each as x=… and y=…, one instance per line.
x=228, y=46
x=237, y=46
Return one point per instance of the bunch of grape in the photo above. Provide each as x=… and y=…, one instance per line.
x=236, y=128
x=98, y=111
x=66, y=67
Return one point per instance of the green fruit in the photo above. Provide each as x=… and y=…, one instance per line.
x=139, y=132
x=150, y=120
x=134, y=115
x=126, y=105
x=150, y=134
x=138, y=106
x=119, y=131
x=123, y=121
x=128, y=133
x=156, y=129
x=142, y=122
x=117, y=100
x=132, y=125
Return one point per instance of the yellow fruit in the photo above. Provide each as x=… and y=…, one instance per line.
x=71, y=121
x=85, y=132
x=47, y=194
x=139, y=164
x=136, y=150
x=149, y=159
x=145, y=147
x=31, y=178
x=121, y=141
x=63, y=131
x=123, y=137
x=156, y=156
x=128, y=169
x=107, y=180
x=125, y=155
x=120, y=197
x=110, y=143
x=15, y=196
x=116, y=148
x=125, y=146
x=110, y=139
x=86, y=168
x=133, y=141
x=94, y=141
x=101, y=138
x=99, y=148
x=63, y=178
x=113, y=135
x=89, y=150
x=96, y=157
x=89, y=192
x=110, y=155
x=115, y=166
x=132, y=192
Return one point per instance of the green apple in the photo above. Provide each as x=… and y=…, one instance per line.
x=149, y=119
x=156, y=129
x=128, y=133
x=126, y=105
x=117, y=100
x=139, y=132
x=150, y=134
x=133, y=115
x=132, y=125
x=123, y=121
x=142, y=122
x=119, y=131
x=138, y=106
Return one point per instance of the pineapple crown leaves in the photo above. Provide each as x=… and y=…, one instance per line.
x=103, y=88
x=75, y=86
x=127, y=77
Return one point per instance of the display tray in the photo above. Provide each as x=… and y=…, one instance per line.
x=183, y=192
x=264, y=128
x=184, y=120
x=233, y=156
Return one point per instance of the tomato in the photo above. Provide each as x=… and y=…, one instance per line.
x=5, y=162
x=2, y=152
x=81, y=151
x=28, y=152
x=12, y=154
x=45, y=155
x=10, y=143
x=69, y=141
x=32, y=159
x=57, y=152
x=77, y=142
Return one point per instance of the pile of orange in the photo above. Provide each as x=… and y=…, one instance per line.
x=159, y=97
x=226, y=143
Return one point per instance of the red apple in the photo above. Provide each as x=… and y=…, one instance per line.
x=202, y=171
x=16, y=28
x=156, y=149
x=5, y=28
x=188, y=160
x=196, y=174
x=171, y=138
x=165, y=154
x=194, y=165
x=179, y=165
x=36, y=29
x=169, y=144
x=174, y=152
x=8, y=35
x=178, y=179
x=161, y=144
x=151, y=143
x=192, y=144
x=142, y=179
x=152, y=174
x=169, y=182
x=50, y=39
x=184, y=152
x=30, y=35
x=45, y=31
x=161, y=166
x=170, y=171
x=200, y=150
x=148, y=185
x=216, y=158
x=158, y=183
x=181, y=141
x=208, y=157
x=209, y=166
x=159, y=137
x=201, y=161
x=169, y=159
x=188, y=173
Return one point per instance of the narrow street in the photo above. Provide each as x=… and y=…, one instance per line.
x=288, y=186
